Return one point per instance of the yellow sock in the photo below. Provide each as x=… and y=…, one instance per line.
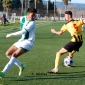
x=57, y=60
x=70, y=55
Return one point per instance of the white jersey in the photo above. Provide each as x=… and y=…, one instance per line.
x=29, y=26
x=28, y=34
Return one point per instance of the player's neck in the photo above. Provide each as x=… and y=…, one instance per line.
x=70, y=19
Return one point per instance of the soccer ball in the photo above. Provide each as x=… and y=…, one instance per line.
x=68, y=61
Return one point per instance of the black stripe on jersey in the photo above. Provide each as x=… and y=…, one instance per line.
x=79, y=38
x=75, y=38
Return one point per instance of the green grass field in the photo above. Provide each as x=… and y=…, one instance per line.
x=41, y=58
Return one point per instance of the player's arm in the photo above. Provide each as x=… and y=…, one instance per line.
x=26, y=28
x=63, y=29
x=56, y=32
x=16, y=33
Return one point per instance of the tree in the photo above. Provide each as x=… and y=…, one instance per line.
x=16, y=4
x=35, y=2
x=38, y=4
x=1, y=7
x=65, y=3
x=6, y=4
x=50, y=5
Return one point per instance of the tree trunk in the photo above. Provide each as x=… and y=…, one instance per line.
x=65, y=7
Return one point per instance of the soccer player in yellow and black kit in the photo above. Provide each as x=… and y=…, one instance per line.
x=74, y=27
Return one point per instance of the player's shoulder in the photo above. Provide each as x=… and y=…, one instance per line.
x=22, y=18
x=32, y=21
x=71, y=21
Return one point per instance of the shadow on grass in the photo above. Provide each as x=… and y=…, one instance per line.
x=61, y=76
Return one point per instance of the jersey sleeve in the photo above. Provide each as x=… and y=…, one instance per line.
x=64, y=28
x=23, y=31
x=29, y=26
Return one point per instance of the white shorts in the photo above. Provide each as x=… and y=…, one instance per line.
x=25, y=44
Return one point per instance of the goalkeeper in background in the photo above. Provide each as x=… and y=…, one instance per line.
x=74, y=27
x=24, y=44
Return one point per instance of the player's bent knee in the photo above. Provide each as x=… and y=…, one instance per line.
x=7, y=53
x=15, y=55
x=58, y=53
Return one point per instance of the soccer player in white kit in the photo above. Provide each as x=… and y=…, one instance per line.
x=24, y=44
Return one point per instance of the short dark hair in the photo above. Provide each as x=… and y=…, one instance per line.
x=31, y=9
x=69, y=13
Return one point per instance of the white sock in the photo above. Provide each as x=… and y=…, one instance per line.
x=18, y=63
x=9, y=64
x=9, y=57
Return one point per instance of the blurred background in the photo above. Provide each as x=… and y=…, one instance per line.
x=47, y=9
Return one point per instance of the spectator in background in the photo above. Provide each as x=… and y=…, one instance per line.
x=4, y=19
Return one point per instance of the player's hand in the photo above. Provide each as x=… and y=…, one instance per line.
x=8, y=35
x=53, y=31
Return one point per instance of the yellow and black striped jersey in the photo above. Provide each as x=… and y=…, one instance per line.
x=74, y=27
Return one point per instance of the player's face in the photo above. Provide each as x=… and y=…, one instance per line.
x=67, y=17
x=31, y=15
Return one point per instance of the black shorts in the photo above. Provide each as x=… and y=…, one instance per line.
x=73, y=46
